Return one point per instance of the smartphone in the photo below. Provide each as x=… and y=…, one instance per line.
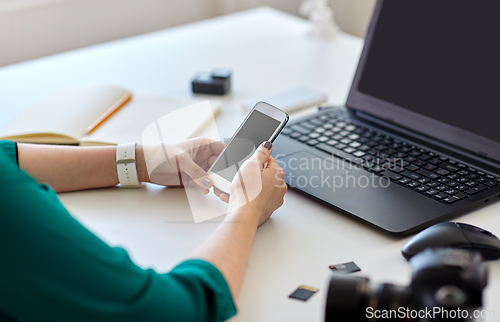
x=263, y=123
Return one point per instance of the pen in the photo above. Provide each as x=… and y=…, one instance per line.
x=109, y=112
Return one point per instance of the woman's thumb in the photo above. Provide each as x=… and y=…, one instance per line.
x=263, y=152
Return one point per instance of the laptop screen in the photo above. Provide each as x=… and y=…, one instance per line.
x=434, y=66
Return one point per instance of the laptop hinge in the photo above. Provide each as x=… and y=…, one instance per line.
x=422, y=137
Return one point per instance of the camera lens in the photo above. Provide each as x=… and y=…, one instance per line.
x=347, y=298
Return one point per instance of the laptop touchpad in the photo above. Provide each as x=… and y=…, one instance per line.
x=306, y=169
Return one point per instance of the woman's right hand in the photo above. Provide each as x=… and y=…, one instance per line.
x=258, y=185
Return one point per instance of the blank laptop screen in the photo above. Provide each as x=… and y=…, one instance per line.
x=440, y=59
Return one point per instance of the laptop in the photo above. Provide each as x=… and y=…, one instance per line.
x=418, y=140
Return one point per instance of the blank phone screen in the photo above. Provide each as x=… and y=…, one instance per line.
x=257, y=129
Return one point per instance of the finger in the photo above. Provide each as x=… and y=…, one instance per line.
x=211, y=160
x=195, y=172
x=204, y=191
x=224, y=197
x=273, y=163
x=263, y=152
x=217, y=192
x=217, y=147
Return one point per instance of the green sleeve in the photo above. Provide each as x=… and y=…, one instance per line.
x=53, y=269
x=9, y=149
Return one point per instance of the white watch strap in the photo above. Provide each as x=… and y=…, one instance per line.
x=125, y=165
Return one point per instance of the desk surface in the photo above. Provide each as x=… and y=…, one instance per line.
x=268, y=51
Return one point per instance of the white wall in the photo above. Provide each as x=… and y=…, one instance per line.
x=36, y=28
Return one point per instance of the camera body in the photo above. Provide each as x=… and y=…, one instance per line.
x=447, y=285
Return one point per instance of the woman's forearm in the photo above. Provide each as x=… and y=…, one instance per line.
x=229, y=246
x=68, y=168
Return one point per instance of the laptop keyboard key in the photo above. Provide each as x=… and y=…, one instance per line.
x=308, y=125
x=413, y=184
x=433, y=184
x=326, y=148
x=340, y=146
x=377, y=169
x=304, y=138
x=435, y=161
x=451, y=191
x=472, y=183
x=412, y=167
x=441, y=195
x=295, y=135
x=312, y=142
x=476, y=189
x=420, y=163
x=332, y=142
x=404, y=181
x=491, y=183
x=458, y=196
x=411, y=175
x=452, y=184
x=462, y=187
x=430, y=167
x=442, y=172
x=358, y=154
x=391, y=175
x=300, y=129
x=428, y=174
x=422, y=188
x=423, y=180
x=450, y=167
x=481, y=180
x=432, y=192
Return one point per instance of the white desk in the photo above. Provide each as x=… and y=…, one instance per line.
x=268, y=51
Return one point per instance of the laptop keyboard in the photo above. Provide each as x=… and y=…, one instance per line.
x=411, y=166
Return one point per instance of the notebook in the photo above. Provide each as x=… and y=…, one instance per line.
x=63, y=117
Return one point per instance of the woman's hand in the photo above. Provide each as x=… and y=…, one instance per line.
x=258, y=185
x=182, y=164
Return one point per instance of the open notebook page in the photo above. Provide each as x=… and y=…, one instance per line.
x=64, y=116
x=128, y=123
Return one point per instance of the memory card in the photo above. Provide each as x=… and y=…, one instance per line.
x=346, y=268
x=303, y=293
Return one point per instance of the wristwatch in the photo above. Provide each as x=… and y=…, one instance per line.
x=125, y=165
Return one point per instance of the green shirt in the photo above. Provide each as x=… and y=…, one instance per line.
x=53, y=269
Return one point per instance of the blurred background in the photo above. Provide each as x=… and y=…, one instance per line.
x=34, y=28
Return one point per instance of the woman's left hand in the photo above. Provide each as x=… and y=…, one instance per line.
x=182, y=164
